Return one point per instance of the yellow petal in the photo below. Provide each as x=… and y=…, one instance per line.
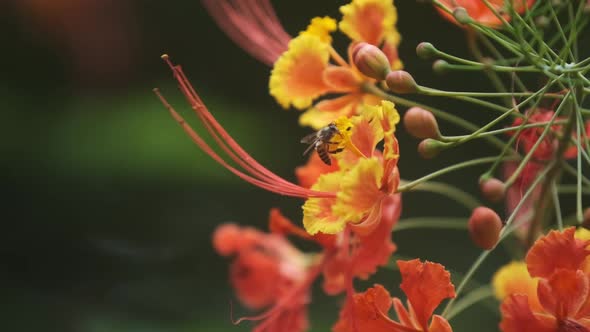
x=359, y=191
x=321, y=27
x=370, y=21
x=582, y=234
x=297, y=76
x=390, y=120
x=317, y=212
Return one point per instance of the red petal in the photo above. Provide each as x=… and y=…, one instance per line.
x=518, y=317
x=363, y=312
x=439, y=324
x=554, y=251
x=426, y=285
x=564, y=293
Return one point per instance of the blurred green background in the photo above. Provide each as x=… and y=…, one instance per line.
x=108, y=207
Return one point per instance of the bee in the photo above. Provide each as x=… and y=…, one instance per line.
x=321, y=142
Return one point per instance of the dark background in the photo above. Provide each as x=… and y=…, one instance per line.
x=108, y=207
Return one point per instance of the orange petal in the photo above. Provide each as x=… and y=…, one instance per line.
x=426, y=285
x=297, y=76
x=564, y=293
x=478, y=10
x=341, y=79
x=254, y=276
x=359, y=191
x=375, y=249
x=308, y=175
x=369, y=20
x=554, y=251
x=518, y=317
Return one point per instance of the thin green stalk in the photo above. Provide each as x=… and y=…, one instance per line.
x=469, y=163
x=501, y=131
x=439, y=223
x=452, y=192
x=370, y=88
x=473, y=297
x=557, y=206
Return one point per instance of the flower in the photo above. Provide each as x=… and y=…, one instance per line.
x=558, y=260
x=426, y=285
x=310, y=68
x=268, y=273
x=253, y=25
x=514, y=278
x=481, y=13
x=366, y=177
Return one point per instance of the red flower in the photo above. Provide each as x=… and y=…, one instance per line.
x=558, y=259
x=425, y=285
x=268, y=272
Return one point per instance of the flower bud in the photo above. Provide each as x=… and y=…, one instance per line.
x=461, y=15
x=420, y=123
x=400, y=81
x=484, y=227
x=371, y=61
x=440, y=67
x=426, y=50
x=492, y=189
x=430, y=148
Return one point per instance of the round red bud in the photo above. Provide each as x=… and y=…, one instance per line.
x=400, y=81
x=492, y=189
x=484, y=227
x=420, y=123
x=226, y=238
x=430, y=148
x=371, y=61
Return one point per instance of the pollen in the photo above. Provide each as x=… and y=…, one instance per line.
x=321, y=27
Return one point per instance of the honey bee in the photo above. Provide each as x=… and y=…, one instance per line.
x=321, y=142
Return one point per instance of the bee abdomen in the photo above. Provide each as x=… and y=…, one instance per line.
x=324, y=156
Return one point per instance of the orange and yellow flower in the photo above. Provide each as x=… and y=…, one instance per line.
x=426, y=285
x=365, y=178
x=311, y=68
x=557, y=264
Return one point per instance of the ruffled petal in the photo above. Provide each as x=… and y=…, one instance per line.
x=366, y=133
x=369, y=20
x=321, y=27
x=297, y=76
x=564, y=293
x=359, y=191
x=363, y=312
x=426, y=285
x=514, y=278
x=328, y=110
x=554, y=251
x=317, y=212
x=518, y=317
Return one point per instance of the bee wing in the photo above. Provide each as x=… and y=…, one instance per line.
x=310, y=139
x=309, y=148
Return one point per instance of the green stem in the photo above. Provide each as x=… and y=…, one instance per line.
x=473, y=297
x=449, y=191
x=469, y=163
x=443, y=223
x=500, y=131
